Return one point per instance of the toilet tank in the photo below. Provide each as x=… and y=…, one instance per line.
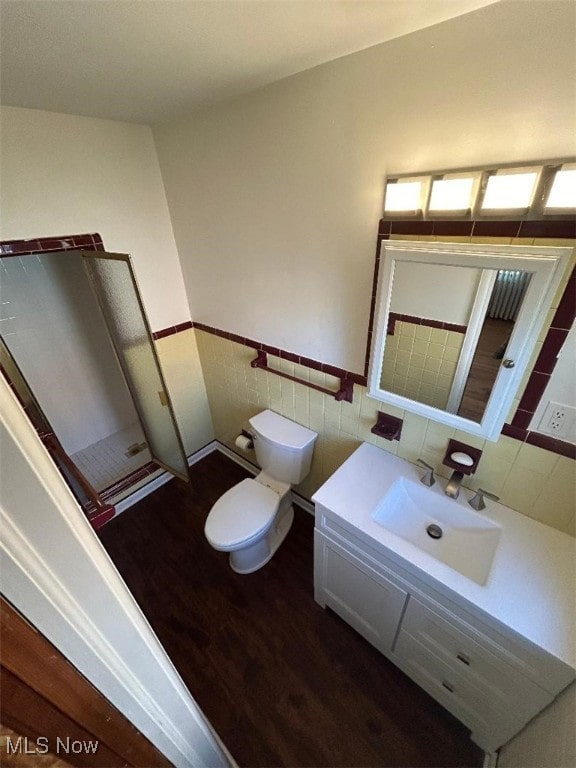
x=283, y=448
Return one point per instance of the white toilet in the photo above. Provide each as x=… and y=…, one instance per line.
x=252, y=519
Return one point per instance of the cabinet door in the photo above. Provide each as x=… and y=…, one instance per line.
x=364, y=598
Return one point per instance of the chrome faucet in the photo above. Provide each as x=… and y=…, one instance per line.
x=453, y=486
x=428, y=477
x=477, y=502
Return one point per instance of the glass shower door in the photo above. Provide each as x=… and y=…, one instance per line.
x=114, y=284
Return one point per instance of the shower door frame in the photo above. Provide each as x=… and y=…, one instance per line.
x=124, y=257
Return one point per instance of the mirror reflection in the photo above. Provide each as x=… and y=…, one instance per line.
x=447, y=333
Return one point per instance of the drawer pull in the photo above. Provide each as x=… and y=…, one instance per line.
x=448, y=686
x=463, y=659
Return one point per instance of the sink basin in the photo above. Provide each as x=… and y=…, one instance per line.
x=458, y=537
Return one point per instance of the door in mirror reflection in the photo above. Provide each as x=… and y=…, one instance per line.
x=506, y=299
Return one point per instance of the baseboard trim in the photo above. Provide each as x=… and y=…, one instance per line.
x=215, y=445
x=140, y=493
x=160, y=480
x=246, y=463
x=209, y=448
x=304, y=503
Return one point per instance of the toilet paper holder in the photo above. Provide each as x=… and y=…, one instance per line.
x=245, y=440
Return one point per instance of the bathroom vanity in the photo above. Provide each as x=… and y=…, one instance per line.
x=482, y=618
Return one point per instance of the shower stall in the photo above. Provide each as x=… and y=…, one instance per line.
x=77, y=349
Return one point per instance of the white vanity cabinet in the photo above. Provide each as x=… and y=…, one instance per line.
x=493, y=681
x=363, y=595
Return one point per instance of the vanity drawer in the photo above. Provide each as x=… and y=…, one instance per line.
x=467, y=702
x=475, y=659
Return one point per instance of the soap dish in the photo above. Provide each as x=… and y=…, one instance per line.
x=456, y=447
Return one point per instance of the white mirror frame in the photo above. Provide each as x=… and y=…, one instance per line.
x=546, y=264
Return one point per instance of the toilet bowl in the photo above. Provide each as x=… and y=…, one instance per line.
x=252, y=519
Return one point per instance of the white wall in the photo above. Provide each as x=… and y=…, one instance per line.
x=275, y=198
x=64, y=175
x=434, y=291
x=547, y=741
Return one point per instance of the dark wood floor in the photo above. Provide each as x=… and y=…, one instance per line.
x=284, y=682
x=484, y=368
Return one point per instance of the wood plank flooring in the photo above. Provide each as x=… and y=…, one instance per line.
x=284, y=682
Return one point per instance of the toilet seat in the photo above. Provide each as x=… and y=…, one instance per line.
x=241, y=514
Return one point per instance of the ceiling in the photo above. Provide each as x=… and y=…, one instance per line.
x=148, y=61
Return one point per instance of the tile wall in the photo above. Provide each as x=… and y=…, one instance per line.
x=420, y=362
x=532, y=480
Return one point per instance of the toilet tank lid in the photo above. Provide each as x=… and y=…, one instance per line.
x=281, y=430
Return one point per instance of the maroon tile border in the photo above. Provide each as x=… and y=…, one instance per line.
x=518, y=433
x=126, y=482
x=394, y=317
x=551, y=444
x=496, y=228
x=546, y=361
x=123, y=484
x=292, y=357
x=522, y=418
x=91, y=242
x=541, y=441
x=172, y=330
x=556, y=335
x=411, y=227
x=453, y=228
x=556, y=228
x=100, y=518
x=566, y=311
x=565, y=228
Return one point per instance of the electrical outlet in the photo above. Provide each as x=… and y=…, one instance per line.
x=557, y=420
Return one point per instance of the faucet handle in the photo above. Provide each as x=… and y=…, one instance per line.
x=428, y=477
x=477, y=501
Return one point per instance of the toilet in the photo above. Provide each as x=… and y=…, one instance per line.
x=251, y=520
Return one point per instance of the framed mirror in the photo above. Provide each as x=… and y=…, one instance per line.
x=455, y=326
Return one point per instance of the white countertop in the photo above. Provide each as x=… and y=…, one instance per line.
x=531, y=587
